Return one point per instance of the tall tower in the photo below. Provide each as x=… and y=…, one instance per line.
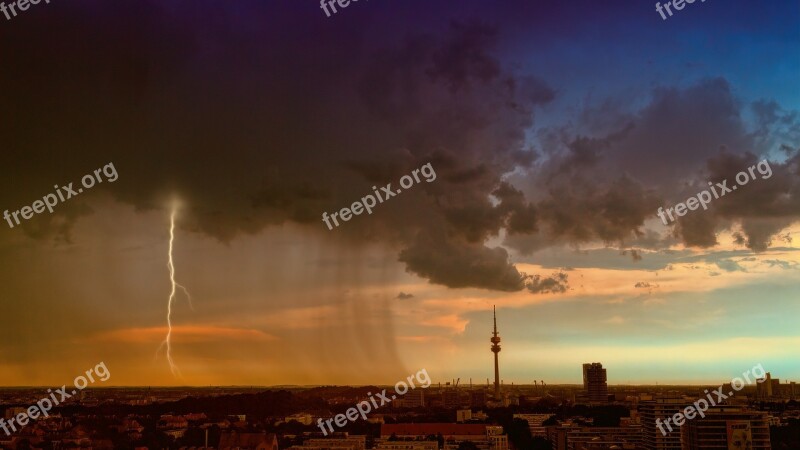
x=496, y=349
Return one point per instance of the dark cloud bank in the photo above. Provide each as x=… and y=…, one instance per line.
x=256, y=121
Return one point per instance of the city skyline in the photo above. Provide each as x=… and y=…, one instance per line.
x=416, y=225
x=591, y=376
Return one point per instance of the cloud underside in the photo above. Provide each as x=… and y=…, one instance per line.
x=261, y=136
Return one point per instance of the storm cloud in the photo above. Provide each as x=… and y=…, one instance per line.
x=251, y=136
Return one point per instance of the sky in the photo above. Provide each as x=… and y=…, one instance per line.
x=555, y=132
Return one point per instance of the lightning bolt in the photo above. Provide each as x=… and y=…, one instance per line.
x=175, y=285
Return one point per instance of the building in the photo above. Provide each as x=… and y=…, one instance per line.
x=769, y=388
x=557, y=435
x=304, y=418
x=414, y=398
x=727, y=427
x=357, y=442
x=450, y=398
x=408, y=445
x=234, y=440
x=594, y=382
x=660, y=408
x=497, y=439
x=477, y=398
x=535, y=423
x=173, y=426
x=321, y=447
x=338, y=441
x=571, y=436
x=463, y=415
x=591, y=438
x=339, y=446
x=485, y=437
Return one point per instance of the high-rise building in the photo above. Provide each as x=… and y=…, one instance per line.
x=594, y=382
x=660, y=408
x=768, y=387
x=771, y=388
x=496, y=349
x=727, y=427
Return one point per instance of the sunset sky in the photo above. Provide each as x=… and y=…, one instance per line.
x=556, y=131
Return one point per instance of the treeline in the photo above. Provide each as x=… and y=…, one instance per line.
x=257, y=406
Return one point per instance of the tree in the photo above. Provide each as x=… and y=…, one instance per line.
x=550, y=421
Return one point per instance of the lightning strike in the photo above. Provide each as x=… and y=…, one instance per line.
x=175, y=285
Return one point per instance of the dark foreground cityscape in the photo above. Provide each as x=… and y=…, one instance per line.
x=746, y=413
x=447, y=416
